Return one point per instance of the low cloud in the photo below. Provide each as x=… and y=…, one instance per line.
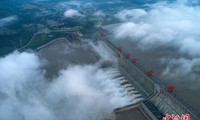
x=19, y=74
x=72, y=13
x=89, y=4
x=8, y=20
x=182, y=67
x=99, y=13
x=68, y=4
x=165, y=25
x=80, y=92
x=189, y=2
x=171, y=30
x=74, y=3
x=130, y=14
x=131, y=30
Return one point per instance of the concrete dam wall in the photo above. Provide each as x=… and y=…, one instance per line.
x=151, y=89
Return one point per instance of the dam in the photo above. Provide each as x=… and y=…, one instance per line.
x=150, y=99
x=158, y=99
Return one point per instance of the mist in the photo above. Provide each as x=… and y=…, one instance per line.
x=80, y=92
x=8, y=20
x=173, y=27
x=72, y=13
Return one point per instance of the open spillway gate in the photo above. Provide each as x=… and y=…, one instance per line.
x=126, y=89
x=156, y=97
